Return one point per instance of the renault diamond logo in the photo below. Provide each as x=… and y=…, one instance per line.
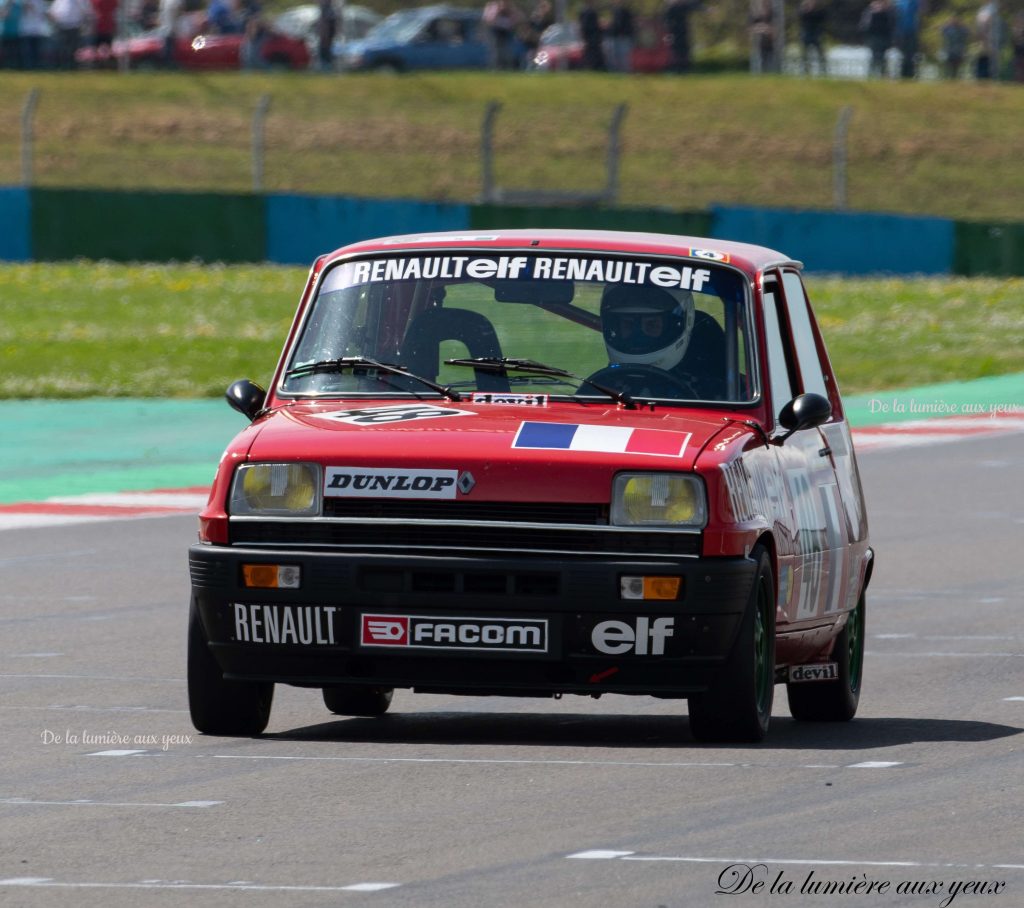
x=466, y=483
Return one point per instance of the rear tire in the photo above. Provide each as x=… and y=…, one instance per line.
x=217, y=706
x=369, y=702
x=835, y=701
x=739, y=707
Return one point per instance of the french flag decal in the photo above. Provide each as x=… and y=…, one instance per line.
x=552, y=436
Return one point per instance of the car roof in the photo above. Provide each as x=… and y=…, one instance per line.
x=431, y=12
x=745, y=256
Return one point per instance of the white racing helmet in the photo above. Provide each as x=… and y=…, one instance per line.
x=646, y=325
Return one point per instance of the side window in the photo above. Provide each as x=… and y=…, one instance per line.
x=779, y=376
x=811, y=371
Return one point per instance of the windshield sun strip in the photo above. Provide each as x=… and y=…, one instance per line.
x=748, y=306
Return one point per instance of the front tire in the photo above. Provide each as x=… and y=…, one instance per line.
x=217, y=706
x=835, y=701
x=738, y=708
x=369, y=702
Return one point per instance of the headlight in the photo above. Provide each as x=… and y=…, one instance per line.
x=658, y=499
x=276, y=488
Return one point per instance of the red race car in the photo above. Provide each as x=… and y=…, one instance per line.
x=195, y=49
x=536, y=463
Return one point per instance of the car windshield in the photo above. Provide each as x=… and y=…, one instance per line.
x=530, y=324
x=398, y=28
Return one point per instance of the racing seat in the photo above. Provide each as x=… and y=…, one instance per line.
x=705, y=357
x=421, y=353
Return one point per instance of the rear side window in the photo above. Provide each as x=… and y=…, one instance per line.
x=811, y=372
x=778, y=354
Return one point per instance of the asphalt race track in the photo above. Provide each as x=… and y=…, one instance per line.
x=108, y=796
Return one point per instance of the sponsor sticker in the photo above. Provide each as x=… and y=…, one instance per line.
x=646, y=637
x=515, y=400
x=709, y=254
x=522, y=267
x=601, y=439
x=518, y=635
x=376, y=416
x=823, y=671
x=370, y=482
x=311, y=625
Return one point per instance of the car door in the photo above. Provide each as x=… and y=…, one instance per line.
x=816, y=568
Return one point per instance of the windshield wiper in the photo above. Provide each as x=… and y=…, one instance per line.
x=344, y=363
x=503, y=364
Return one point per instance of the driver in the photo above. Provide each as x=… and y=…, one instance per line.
x=646, y=326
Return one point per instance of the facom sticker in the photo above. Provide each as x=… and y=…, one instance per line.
x=368, y=482
x=376, y=416
x=451, y=633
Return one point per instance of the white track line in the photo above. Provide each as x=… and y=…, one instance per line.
x=806, y=862
x=84, y=802
x=36, y=882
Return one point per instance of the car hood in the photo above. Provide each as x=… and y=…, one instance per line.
x=513, y=451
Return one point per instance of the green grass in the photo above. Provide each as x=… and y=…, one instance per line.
x=944, y=149
x=87, y=330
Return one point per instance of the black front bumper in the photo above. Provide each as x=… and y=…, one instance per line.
x=666, y=648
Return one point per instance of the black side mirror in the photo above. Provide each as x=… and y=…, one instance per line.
x=246, y=397
x=805, y=411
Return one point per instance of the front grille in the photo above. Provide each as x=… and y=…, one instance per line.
x=504, y=511
x=453, y=538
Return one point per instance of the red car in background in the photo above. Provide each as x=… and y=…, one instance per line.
x=194, y=49
x=561, y=48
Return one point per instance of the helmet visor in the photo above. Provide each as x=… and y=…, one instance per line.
x=638, y=331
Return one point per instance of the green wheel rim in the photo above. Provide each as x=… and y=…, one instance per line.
x=855, y=641
x=762, y=670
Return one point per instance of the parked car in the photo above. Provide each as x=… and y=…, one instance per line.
x=196, y=49
x=428, y=37
x=536, y=463
x=561, y=48
x=301, y=22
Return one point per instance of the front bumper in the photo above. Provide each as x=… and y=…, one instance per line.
x=481, y=625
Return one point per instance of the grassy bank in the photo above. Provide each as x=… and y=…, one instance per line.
x=945, y=149
x=85, y=330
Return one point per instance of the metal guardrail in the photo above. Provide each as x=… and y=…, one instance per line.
x=492, y=192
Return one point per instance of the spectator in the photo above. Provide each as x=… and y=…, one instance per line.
x=541, y=18
x=10, y=33
x=990, y=32
x=172, y=20
x=955, y=36
x=592, y=36
x=1017, y=42
x=34, y=30
x=812, y=15
x=147, y=15
x=326, y=31
x=69, y=18
x=877, y=26
x=762, y=36
x=908, y=24
x=677, y=25
x=254, y=34
x=621, y=31
x=221, y=18
x=104, y=25
x=503, y=19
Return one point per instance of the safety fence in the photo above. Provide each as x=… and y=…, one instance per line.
x=42, y=224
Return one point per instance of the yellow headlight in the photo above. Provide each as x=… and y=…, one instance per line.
x=287, y=488
x=658, y=498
